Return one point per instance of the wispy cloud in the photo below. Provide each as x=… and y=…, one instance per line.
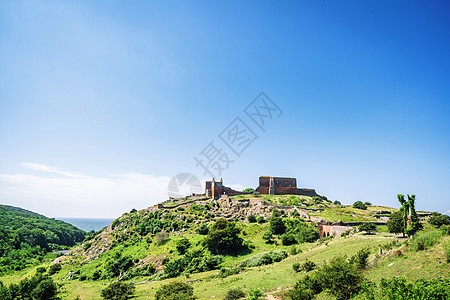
x=58, y=192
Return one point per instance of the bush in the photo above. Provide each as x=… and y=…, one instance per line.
x=367, y=227
x=182, y=245
x=118, y=265
x=224, y=237
x=234, y=294
x=203, y=229
x=41, y=270
x=225, y=272
x=306, y=288
x=307, y=266
x=252, y=219
x=55, y=268
x=424, y=240
x=260, y=219
x=175, y=291
x=337, y=202
x=161, y=237
x=296, y=267
x=255, y=294
x=118, y=291
x=359, y=205
x=288, y=239
x=268, y=237
x=360, y=258
x=277, y=225
x=265, y=258
x=438, y=220
x=399, y=288
x=45, y=290
x=395, y=223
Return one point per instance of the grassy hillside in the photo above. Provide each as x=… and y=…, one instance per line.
x=148, y=249
x=26, y=237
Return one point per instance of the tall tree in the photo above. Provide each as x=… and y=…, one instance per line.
x=410, y=220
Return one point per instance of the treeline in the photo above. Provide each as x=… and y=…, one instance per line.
x=26, y=237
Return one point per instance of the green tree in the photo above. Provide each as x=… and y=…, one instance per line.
x=118, y=291
x=395, y=223
x=224, y=237
x=45, y=290
x=337, y=202
x=252, y=218
x=438, y=219
x=410, y=219
x=359, y=205
x=182, y=245
x=248, y=190
x=341, y=278
x=175, y=291
x=367, y=227
x=277, y=225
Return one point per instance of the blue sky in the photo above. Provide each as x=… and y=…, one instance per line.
x=102, y=102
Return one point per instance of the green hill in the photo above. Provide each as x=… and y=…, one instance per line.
x=247, y=242
x=25, y=237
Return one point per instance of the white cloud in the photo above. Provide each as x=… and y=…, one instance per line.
x=59, y=193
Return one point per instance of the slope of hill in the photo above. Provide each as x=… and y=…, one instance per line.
x=176, y=241
x=26, y=236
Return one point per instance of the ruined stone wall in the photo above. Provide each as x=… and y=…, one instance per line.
x=283, y=185
x=330, y=230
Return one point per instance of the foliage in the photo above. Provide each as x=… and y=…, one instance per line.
x=38, y=287
x=25, y=237
x=252, y=219
x=118, y=291
x=161, y=237
x=225, y=272
x=367, y=203
x=55, y=268
x=248, y=190
x=410, y=219
x=255, y=294
x=367, y=227
x=296, y=267
x=192, y=262
x=337, y=202
x=260, y=219
x=265, y=258
x=426, y=239
x=203, y=229
x=175, y=291
x=438, y=220
x=306, y=288
x=360, y=258
x=398, y=288
x=268, y=237
x=223, y=237
x=359, y=205
x=234, y=294
x=395, y=223
x=277, y=225
x=117, y=265
x=182, y=245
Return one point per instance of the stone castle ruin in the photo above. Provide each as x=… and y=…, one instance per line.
x=267, y=185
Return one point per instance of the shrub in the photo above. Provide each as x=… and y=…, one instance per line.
x=399, y=288
x=96, y=275
x=424, y=240
x=340, y=278
x=203, y=229
x=118, y=264
x=359, y=205
x=265, y=258
x=255, y=294
x=367, y=227
x=268, y=237
x=337, y=202
x=225, y=272
x=445, y=229
x=306, y=288
x=367, y=203
x=175, y=291
x=294, y=250
x=307, y=266
x=296, y=267
x=224, y=237
x=55, y=268
x=45, y=290
x=360, y=258
x=260, y=219
x=118, y=291
x=161, y=237
x=395, y=223
x=288, y=239
x=41, y=270
x=438, y=220
x=234, y=294
x=252, y=219
x=277, y=225
x=182, y=245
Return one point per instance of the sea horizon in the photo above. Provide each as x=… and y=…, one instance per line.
x=88, y=224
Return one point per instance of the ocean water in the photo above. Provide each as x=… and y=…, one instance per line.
x=88, y=224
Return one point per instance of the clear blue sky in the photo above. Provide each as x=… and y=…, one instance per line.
x=101, y=102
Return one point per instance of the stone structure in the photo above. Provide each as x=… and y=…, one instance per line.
x=332, y=229
x=215, y=189
x=283, y=186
